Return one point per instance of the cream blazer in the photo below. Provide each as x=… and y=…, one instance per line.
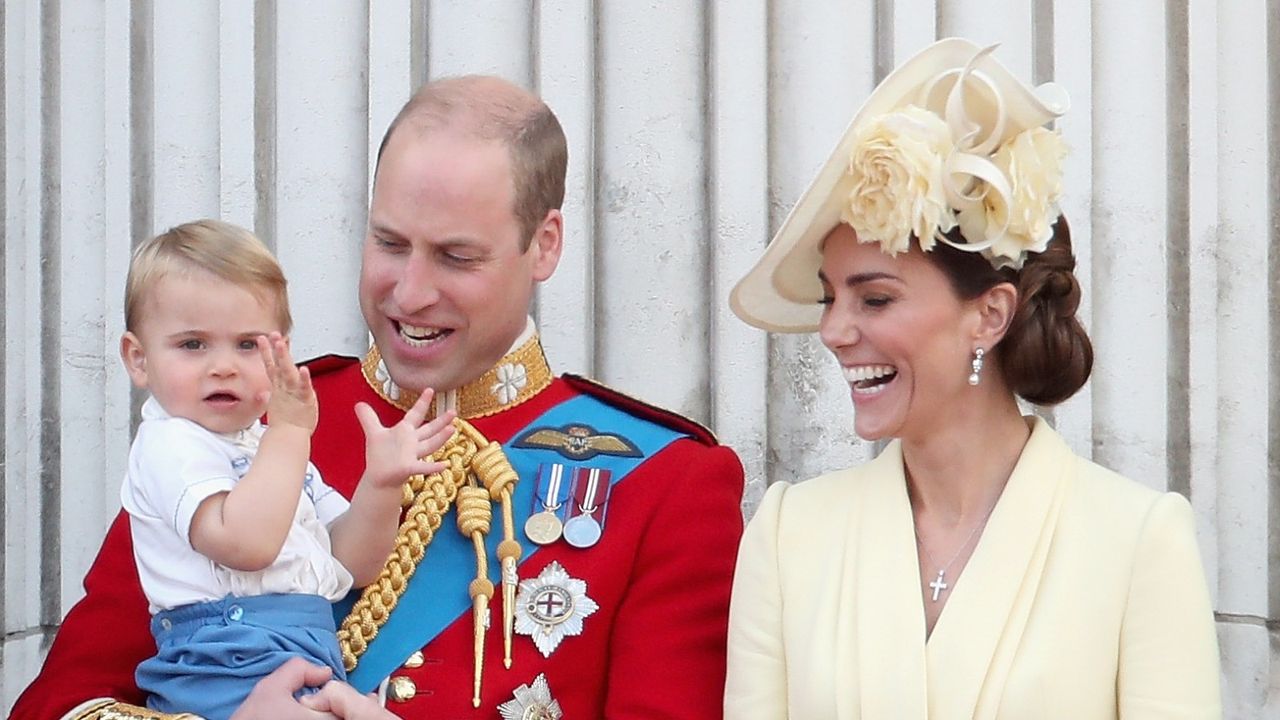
x=1084, y=599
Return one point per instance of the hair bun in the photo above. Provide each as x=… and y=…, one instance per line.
x=1046, y=355
x=1062, y=285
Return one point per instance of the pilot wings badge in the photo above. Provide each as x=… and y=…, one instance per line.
x=577, y=441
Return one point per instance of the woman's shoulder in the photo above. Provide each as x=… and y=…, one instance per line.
x=807, y=510
x=826, y=491
x=1094, y=493
x=1119, y=492
x=1124, y=505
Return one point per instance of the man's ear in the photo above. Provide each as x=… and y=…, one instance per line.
x=135, y=359
x=995, y=309
x=546, y=244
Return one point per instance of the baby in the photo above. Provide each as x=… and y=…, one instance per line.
x=239, y=543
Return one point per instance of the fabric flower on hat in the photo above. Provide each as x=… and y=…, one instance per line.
x=896, y=167
x=1032, y=162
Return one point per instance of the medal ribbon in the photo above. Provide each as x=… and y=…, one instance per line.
x=423, y=612
x=590, y=499
x=549, y=497
x=591, y=492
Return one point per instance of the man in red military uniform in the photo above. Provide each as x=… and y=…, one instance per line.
x=576, y=558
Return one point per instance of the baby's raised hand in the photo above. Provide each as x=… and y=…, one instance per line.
x=394, y=453
x=292, y=400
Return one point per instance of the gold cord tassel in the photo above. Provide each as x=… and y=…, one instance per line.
x=474, y=516
x=494, y=470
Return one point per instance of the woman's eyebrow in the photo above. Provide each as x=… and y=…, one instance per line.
x=859, y=278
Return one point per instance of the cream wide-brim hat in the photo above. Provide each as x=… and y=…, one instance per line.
x=781, y=293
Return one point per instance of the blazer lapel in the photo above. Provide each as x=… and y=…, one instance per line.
x=977, y=634
x=888, y=622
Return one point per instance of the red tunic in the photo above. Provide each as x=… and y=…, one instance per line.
x=661, y=575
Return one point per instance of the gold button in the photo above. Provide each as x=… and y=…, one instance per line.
x=415, y=660
x=401, y=689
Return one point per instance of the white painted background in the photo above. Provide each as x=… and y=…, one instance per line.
x=692, y=126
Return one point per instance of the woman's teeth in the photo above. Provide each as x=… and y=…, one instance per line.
x=869, y=379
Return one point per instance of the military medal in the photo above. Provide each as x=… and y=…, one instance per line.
x=582, y=531
x=532, y=702
x=552, y=607
x=590, y=492
x=543, y=527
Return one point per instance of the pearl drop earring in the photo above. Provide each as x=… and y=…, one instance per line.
x=976, y=376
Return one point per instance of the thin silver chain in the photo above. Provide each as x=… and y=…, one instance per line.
x=965, y=544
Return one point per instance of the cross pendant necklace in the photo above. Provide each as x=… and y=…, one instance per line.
x=938, y=585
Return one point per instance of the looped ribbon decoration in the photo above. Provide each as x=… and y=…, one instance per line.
x=969, y=158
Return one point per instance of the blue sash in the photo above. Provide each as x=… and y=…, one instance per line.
x=436, y=595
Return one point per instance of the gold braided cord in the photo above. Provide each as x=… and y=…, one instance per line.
x=470, y=459
x=474, y=513
x=429, y=498
x=112, y=710
x=493, y=470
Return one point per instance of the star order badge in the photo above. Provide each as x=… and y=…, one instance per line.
x=551, y=607
x=532, y=702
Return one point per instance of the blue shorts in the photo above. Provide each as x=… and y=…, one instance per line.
x=210, y=655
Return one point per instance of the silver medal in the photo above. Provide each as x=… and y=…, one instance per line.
x=582, y=531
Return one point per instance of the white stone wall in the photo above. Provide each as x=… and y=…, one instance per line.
x=692, y=127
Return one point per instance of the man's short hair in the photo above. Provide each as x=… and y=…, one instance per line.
x=490, y=108
x=227, y=251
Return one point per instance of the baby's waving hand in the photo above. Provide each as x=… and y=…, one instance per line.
x=394, y=453
x=293, y=400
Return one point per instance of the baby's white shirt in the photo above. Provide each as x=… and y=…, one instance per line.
x=174, y=465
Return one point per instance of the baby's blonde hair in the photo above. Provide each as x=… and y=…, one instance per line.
x=227, y=251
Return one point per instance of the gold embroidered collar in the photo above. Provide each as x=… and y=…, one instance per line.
x=518, y=376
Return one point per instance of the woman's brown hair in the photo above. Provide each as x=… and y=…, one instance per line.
x=1045, y=356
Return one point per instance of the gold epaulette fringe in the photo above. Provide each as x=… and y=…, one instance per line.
x=112, y=710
